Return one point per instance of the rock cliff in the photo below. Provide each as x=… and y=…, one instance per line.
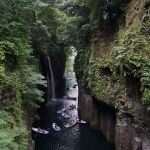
x=114, y=86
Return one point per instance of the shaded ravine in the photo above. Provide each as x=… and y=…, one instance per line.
x=79, y=137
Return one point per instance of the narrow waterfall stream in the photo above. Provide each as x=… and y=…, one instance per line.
x=51, y=83
x=78, y=137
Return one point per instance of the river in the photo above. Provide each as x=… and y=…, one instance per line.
x=78, y=137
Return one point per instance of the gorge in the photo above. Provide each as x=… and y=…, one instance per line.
x=111, y=38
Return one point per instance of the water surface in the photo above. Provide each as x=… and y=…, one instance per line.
x=78, y=137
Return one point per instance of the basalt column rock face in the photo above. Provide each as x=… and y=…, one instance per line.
x=103, y=119
x=118, y=78
x=84, y=105
x=99, y=115
x=145, y=142
x=95, y=120
x=123, y=134
x=132, y=126
x=110, y=125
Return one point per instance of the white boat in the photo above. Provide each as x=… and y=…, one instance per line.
x=68, y=125
x=72, y=98
x=56, y=127
x=82, y=121
x=38, y=130
x=65, y=97
x=65, y=115
x=61, y=110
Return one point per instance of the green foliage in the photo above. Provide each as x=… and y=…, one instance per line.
x=47, y=37
x=82, y=58
x=11, y=133
x=69, y=26
x=39, y=4
x=51, y=17
x=146, y=96
x=100, y=82
x=132, y=51
x=102, y=12
x=128, y=55
x=31, y=93
x=17, y=68
x=117, y=5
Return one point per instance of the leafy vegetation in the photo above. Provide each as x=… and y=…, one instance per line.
x=12, y=135
x=103, y=12
x=18, y=73
x=24, y=37
x=30, y=30
x=124, y=53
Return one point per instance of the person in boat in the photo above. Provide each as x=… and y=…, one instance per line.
x=70, y=123
x=82, y=120
x=39, y=129
x=56, y=126
x=72, y=106
x=43, y=131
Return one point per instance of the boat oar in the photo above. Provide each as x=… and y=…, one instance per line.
x=49, y=129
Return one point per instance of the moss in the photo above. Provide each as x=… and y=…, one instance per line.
x=126, y=51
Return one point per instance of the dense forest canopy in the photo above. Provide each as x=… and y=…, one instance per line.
x=19, y=72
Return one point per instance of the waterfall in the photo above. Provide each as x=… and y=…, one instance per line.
x=51, y=83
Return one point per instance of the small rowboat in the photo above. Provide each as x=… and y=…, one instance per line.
x=82, y=121
x=55, y=127
x=72, y=107
x=65, y=97
x=65, y=115
x=72, y=98
x=40, y=130
x=68, y=125
x=61, y=110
